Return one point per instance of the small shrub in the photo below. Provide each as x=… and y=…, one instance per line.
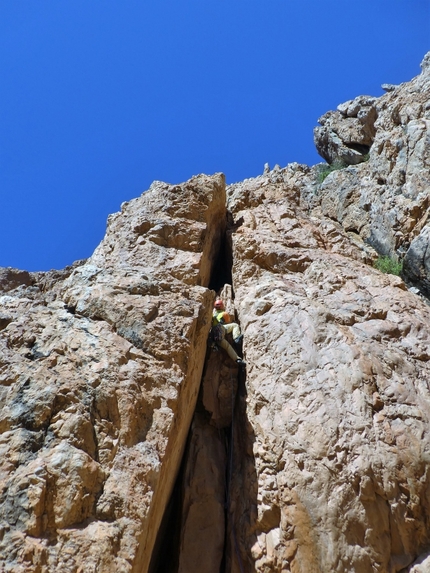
x=325, y=170
x=388, y=265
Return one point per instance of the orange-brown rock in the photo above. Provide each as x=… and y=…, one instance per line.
x=99, y=386
x=336, y=476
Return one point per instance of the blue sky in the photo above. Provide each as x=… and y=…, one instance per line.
x=100, y=97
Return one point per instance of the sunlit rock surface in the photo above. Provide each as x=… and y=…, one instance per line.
x=385, y=197
x=99, y=384
x=338, y=399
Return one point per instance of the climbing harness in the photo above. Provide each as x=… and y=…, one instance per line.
x=217, y=333
x=222, y=325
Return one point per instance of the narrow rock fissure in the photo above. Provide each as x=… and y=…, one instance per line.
x=221, y=271
x=197, y=529
x=231, y=552
x=166, y=549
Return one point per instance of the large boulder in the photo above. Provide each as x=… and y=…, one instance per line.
x=347, y=134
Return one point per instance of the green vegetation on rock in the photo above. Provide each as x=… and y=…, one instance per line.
x=388, y=265
x=325, y=170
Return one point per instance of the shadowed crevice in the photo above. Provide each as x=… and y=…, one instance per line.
x=197, y=526
x=221, y=273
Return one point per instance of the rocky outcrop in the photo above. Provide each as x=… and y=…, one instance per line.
x=12, y=278
x=129, y=445
x=385, y=199
x=417, y=260
x=347, y=134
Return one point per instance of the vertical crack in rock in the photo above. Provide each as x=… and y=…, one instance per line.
x=221, y=273
x=102, y=364
x=203, y=224
x=198, y=523
x=166, y=550
x=241, y=490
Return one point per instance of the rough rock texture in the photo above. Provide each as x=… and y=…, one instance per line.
x=207, y=465
x=385, y=199
x=417, y=260
x=12, y=278
x=338, y=397
x=128, y=446
x=98, y=386
x=348, y=133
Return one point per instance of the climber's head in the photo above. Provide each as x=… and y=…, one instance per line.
x=219, y=305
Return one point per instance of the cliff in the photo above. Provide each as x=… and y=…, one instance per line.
x=130, y=445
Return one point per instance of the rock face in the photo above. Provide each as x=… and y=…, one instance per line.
x=338, y=399
x=128, y=445
x=385, y=199
x=99, y=382
x=417, y=260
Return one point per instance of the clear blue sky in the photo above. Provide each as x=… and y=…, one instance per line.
x=100, y=97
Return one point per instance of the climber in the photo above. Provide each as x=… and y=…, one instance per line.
x=222, y=325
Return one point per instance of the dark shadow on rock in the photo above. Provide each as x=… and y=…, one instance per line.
x=221, y=273
x=242, y=489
